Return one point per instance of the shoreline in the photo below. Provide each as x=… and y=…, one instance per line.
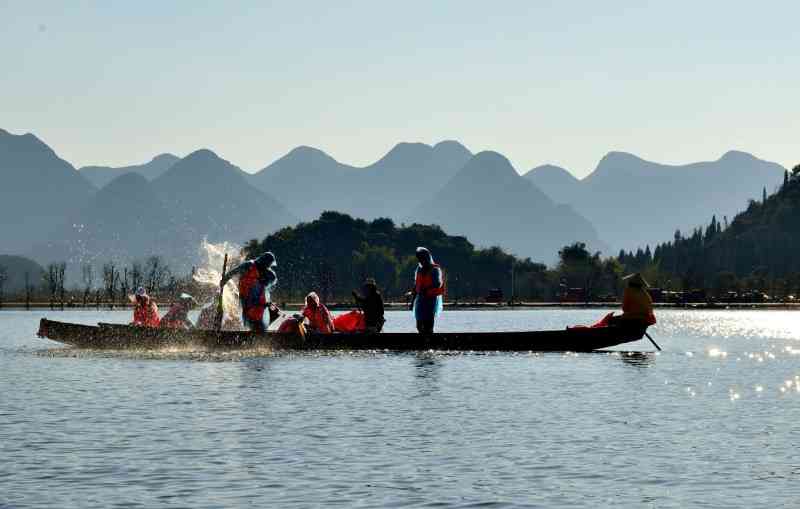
x=452, y=306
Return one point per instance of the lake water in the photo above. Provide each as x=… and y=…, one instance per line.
x=712, y=421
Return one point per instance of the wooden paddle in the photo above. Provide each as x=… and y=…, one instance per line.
x=220, y=307
x=651, y=340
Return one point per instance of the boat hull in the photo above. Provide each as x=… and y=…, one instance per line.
x=124, y=337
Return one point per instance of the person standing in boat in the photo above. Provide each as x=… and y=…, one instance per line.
x=256, y=280
x=428, y=294
x=637, y=306
x=178, y=315
x=145, y=310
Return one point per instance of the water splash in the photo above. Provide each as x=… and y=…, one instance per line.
x=209, y=273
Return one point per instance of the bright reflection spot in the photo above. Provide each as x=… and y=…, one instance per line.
x=759, y=388
x=716, y=352
x=689, y=354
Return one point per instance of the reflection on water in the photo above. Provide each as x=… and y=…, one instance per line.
x=638, y=359
x=710, y=421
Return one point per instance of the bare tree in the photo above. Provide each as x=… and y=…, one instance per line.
x=28, y=290
x=87, y=273
x=137, y=274
x=51, y=279
x=62, y=269
x=123, y=285
x=156, y=273
x=3, y=279
x=110, y=280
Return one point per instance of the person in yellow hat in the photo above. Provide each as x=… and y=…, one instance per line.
x=637, y=306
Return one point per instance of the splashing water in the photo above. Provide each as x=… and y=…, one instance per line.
x=210, y=273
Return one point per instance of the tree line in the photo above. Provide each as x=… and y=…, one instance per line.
x=755, y=252
x=106, y=285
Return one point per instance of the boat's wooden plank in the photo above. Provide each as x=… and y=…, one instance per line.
x=118, y=336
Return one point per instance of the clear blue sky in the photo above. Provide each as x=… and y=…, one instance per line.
x=116, y=82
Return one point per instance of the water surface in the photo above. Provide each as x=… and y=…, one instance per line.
x=712, y=421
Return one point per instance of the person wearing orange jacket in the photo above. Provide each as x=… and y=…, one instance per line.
x=145, y=310
x=319, y=318
x=256, y=281
x=637, y=306
x=428, y=293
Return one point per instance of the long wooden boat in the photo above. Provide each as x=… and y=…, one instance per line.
x=120, y=337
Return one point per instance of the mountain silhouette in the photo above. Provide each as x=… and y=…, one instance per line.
x=633, y=202
x=209, y=197
x=309, y=181
x=16, y=267
x=38, y=189
x=100, y=176
x=491, y=204
x=124, y=221
x=555, y=181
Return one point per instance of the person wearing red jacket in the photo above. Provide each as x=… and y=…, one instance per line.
x=145, y=310
x=318, y=316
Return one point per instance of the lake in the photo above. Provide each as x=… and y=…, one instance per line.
x=712, y=421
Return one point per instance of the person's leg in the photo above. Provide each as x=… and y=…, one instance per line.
x=425, y=326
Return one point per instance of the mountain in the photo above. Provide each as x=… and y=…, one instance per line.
x=489, y=202
x=124, y=221
x=209, y=197
x=309, y=181
x=38, y=189
x=407, y=176
x=16, y=267
x=555, y=181
x=633, y=202
x=757, y=249
x=99, y=176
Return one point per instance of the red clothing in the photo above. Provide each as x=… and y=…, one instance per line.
x=176, y=318
x=320, y=318
x=146, y=314
x=425, y=285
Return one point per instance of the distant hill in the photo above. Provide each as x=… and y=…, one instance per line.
x=490, y=202
x=757, y=250
x=633, y=202
x=207, y=196
x=38, y=189
x=100, y=176
x=309, y=181
x=16, y=268
x=124, y=221
x=556, y=182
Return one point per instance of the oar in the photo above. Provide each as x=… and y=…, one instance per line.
x=651, y=340
x=220, y=309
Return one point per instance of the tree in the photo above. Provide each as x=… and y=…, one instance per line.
x=137, y=275
x=110, y=280
x=3, y=279
x=87, y=275
x=28, y=290
x=156, y=272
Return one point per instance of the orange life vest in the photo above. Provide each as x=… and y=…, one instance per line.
x=251, y=294
x=424, y=282
x=146, y=315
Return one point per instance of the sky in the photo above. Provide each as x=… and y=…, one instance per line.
x=116, y=82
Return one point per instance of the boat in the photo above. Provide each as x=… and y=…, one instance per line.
x=123, y=337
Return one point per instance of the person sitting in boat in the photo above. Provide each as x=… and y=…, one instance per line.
x=371, y=303
x=428, y=291
x=318, y=316
x=256, y=280
x=637, y=306
x=178, y=315
x=145, y=310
